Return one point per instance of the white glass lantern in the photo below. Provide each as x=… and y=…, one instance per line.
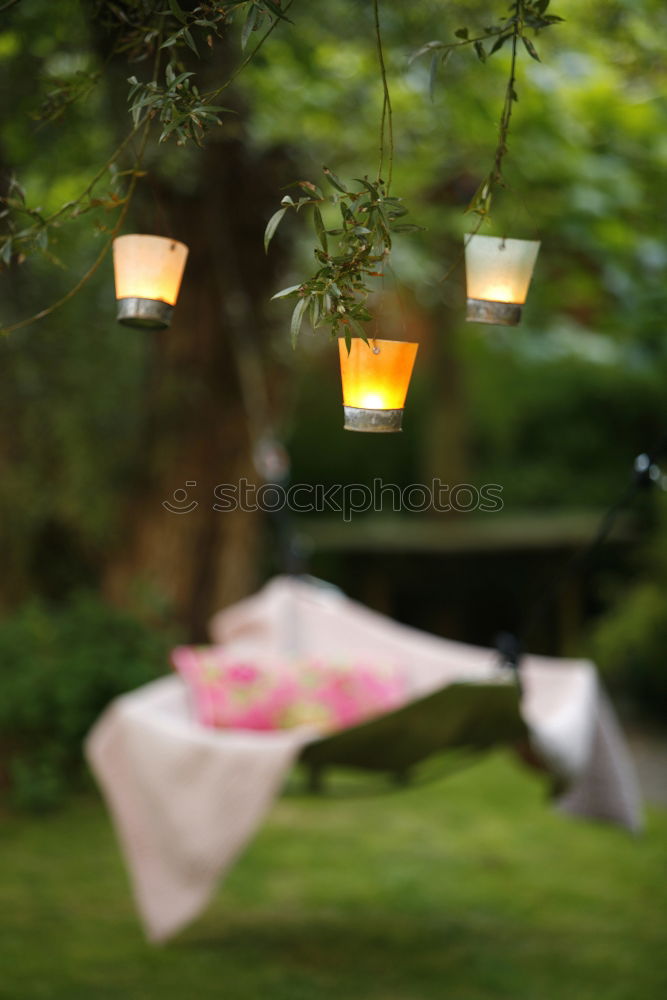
x=148, y=272
x=375, y=379
x=498, y=273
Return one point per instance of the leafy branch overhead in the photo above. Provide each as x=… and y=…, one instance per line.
x=523, y=15
x=178, y=106
x=29, y=230
x=348, y=254
x=165, y=36
x=184, y=113
x=166, y=101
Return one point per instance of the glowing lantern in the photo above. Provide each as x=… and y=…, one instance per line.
x=498, y=273
x=375, y=380
x=148, y=272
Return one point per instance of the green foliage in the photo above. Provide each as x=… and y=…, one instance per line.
x=59, y=667
x=141, y=30
x=336, y=293
x=170, y=97
x=30, y=231
x=178, y=106
x=555, y=426
x=523, y=14
x=555, y=409
x=37, y=779
x=183, y=111
x=21, y=239
x=630, y=647
x=629, y=642
x=65, y=91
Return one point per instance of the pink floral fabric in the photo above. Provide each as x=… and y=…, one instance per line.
x=230, y=692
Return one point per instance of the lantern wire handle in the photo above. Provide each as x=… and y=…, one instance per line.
x=161, y=217
x=460, y=257
x=517, y=195
x=372, y=341
x=401, y=302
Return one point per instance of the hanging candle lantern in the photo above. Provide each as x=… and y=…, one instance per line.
x=498, y=273
x=375, y=380
x=148, y=272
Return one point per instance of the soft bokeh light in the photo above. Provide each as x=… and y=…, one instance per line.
x=499, y=270
x=380, y=380
x=148, y=267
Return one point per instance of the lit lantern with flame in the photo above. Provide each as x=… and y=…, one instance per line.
x=375, y=380
x=498, y=273
x=148, y=272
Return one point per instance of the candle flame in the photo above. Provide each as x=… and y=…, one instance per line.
x=148, y=267
x=373, y=401
x=499, y=293
x=376, y=381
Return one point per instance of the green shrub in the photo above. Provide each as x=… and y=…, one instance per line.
x=630, y=641
x=59, y=667
x=631, y=648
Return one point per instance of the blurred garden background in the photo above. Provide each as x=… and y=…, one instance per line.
x=470, y=887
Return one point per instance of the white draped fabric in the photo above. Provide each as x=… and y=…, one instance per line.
x=186, y=800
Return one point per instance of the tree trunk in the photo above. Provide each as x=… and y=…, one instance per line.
x=197, y=432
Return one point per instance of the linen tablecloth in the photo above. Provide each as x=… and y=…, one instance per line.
x=186, y=800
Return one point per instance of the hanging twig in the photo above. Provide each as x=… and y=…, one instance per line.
x=386, y=118
x=335, y=295
x=460, y=257
x=524, y=15
x=506, y=117
x=212, y=94
x=98, y=176
x=34, y=234
x=100, y=257
x=481, y=201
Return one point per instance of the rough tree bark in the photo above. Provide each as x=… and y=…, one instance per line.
x=196, y=423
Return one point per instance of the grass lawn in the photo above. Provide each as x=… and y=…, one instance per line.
x=469, y=888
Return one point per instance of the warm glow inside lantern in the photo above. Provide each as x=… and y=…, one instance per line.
x=148, y=272
x=498, y=273
x=375, y=380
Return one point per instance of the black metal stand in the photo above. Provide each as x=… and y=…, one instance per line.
x=646, y=473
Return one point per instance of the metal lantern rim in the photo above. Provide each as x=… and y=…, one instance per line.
x=146, y=314
x=372, y=421
x=492, y=312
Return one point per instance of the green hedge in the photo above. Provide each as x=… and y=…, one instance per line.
x=631, y=649
x=630, y=642
x=59, y=667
